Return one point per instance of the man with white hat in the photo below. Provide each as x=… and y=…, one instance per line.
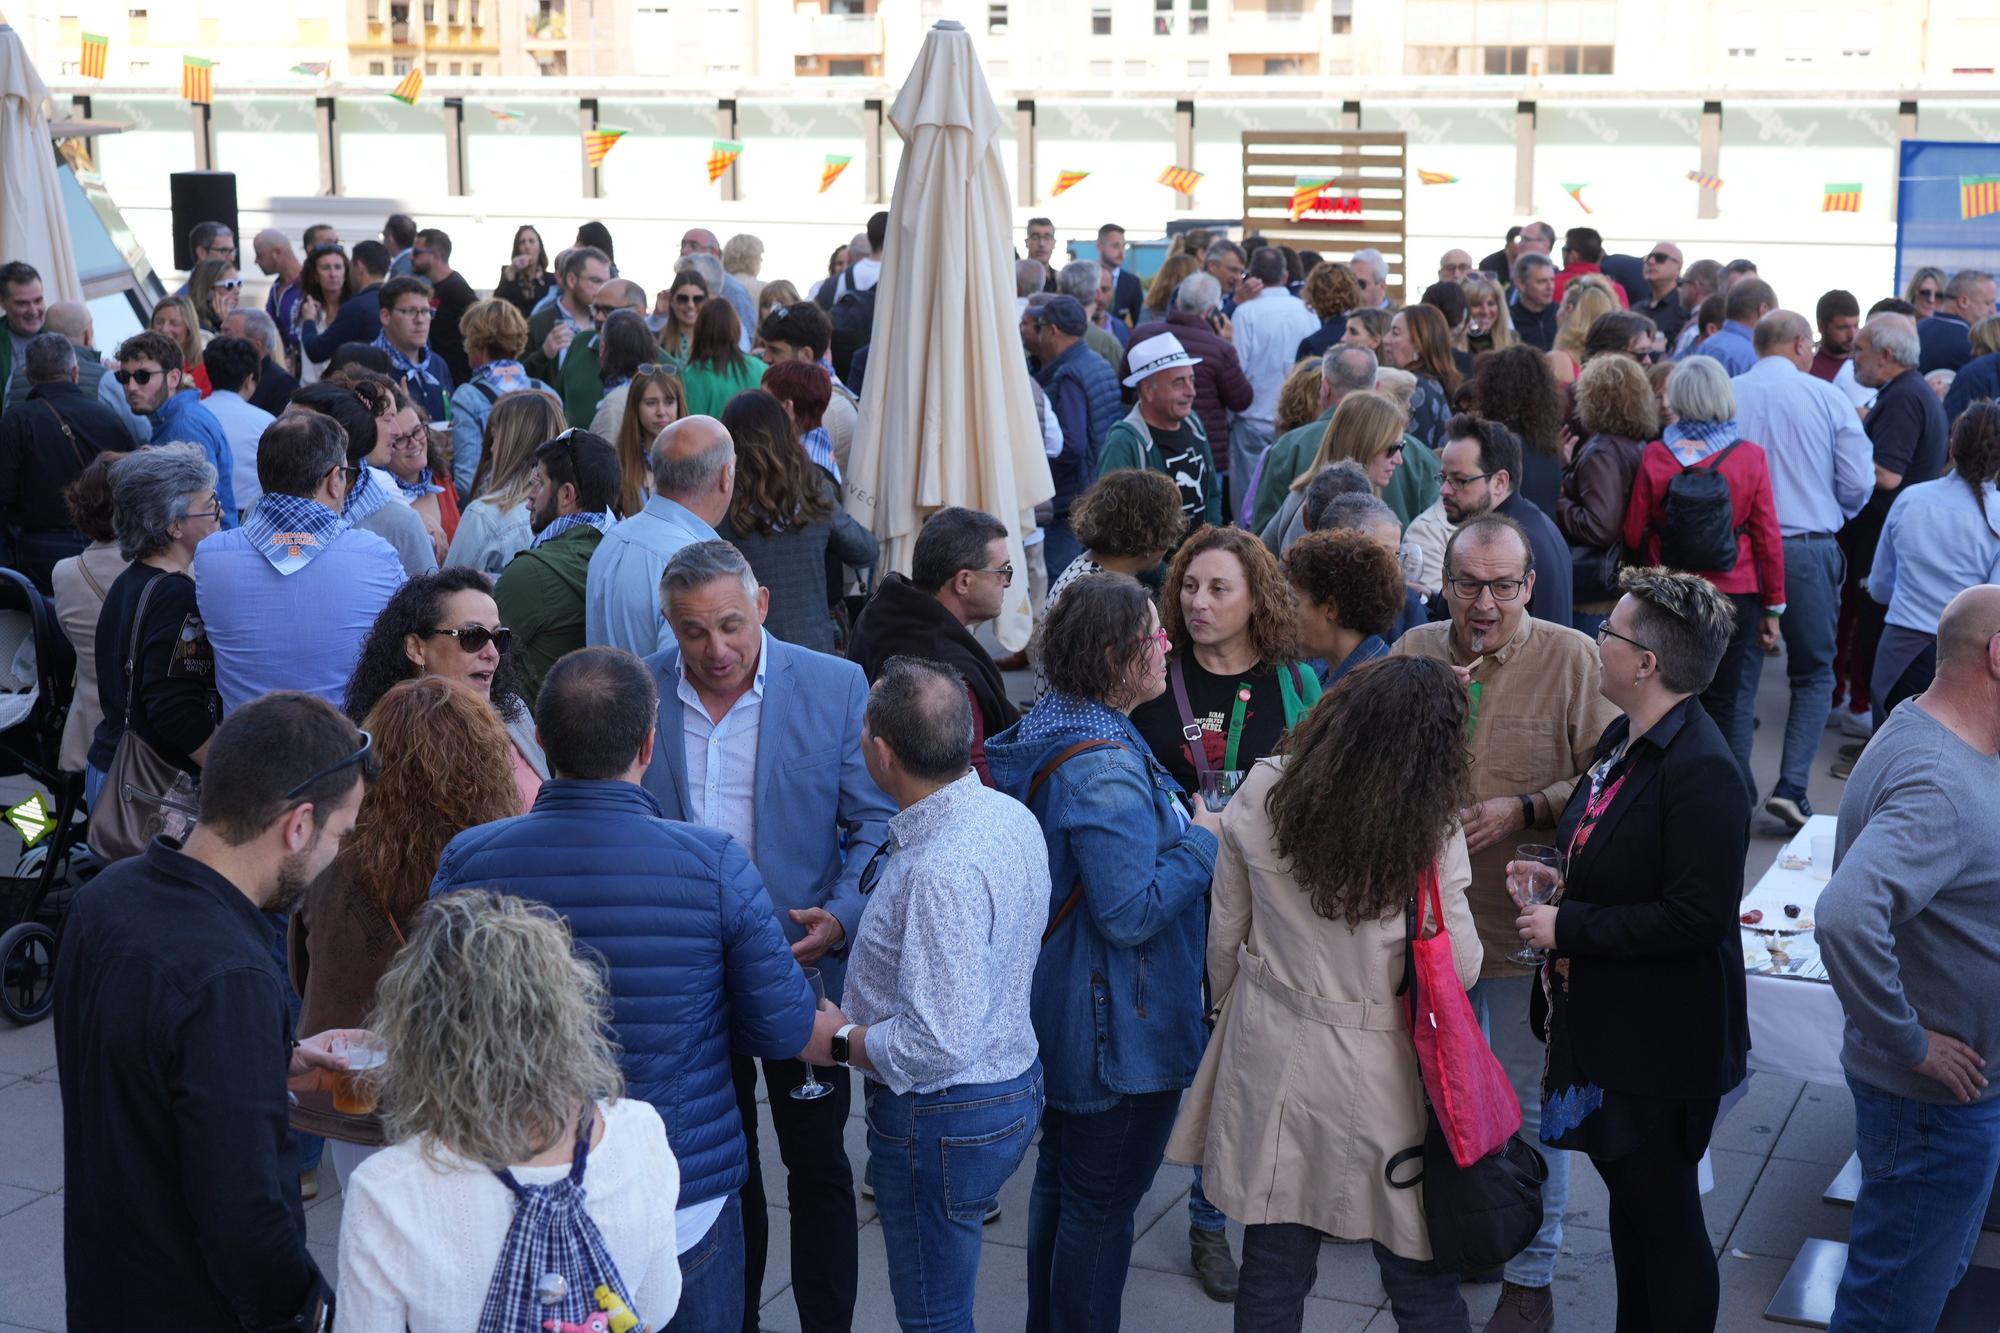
x=1162, y=432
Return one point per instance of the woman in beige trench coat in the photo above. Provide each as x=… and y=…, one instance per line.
x=1310, y=1084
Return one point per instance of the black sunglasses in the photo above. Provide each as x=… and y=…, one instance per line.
x=360, y=757
x=1662, y=257
x=474, y=638
x=871, y=874
x=139, y=377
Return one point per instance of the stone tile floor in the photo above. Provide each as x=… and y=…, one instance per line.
x=1773, y=1154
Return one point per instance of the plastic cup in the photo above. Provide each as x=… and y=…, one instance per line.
x=353, y=1093
x=1822, y=856
x=1218, y=785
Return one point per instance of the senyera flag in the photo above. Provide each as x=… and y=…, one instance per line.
x=1978, y=197
x=835, y=164
x=1065, y=180
x=722, y=155
x=410, y=89
x=1182, y=179
x=95, y=51
x=197, y=80
x=598, y=142
x=1436, y=177
x=1843, y=197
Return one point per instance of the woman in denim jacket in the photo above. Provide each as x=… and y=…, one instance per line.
x=1117, y=1000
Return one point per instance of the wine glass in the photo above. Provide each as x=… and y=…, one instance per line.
x=812, y=1088
x=1218, y=785
x=1533, y=877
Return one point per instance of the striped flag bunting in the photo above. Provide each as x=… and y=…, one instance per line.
x=197, y=80
x=835, y=164
x=1978, y=197
x=1066, y=179
x=95, y=50
x=410, y=89
x=1575, y=191
x=1182, y=179
x=1709, y=183
x=598, y=142
x=312, y=69
x=1436, y=177
x=722, y=155
x=505, y=115
x=1844, y=197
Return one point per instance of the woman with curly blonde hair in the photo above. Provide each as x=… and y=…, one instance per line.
x=1321, y=850
x=501, y=1078
x=1160, y=296
x=1584, y=300
x=1233, y=678
x=1298, y=400
x=1489, y=328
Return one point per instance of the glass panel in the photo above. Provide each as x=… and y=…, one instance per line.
x=112, y=319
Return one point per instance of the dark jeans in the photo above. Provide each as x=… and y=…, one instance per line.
x=1090, y=1174
x=1731, y=697
x=36, y=554
x=309, y=1147
x=937, y=1161
x=712, y=1278
x=1059, y=547
x=1659, y=1241
x=1814, y=569
x=819, y=1190
x=1281, y=1262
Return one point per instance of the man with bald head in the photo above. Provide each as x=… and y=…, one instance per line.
x=1454, y=266
x=579, y=380
x=701, y=241
x=1661, y=269
x=1909, y=928
x=272, y=252
x=1821, y=475
x=694, y=474
x=73, y=321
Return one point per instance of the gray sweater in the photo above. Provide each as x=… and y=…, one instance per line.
x=1909, y=927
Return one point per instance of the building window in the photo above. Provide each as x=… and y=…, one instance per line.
x=1163, y=18
x=848, y=8
x=451, y=11
x=401, y=65
x=1283, y=65
x=1430, y=60
x=1197, y=69
x=1506, y=59
x=847, y=69
x=1343, y=17
x=457, y=67
x=140, y=68
x=1100, y=69
x=431, y=68
x=1100, y=18
x=1742, y=53
x=69, y=67
x=136, y=26
x=1856, y=53
x=478, y=68
x=375, y=67
x=996, y=18
x=430, y=11
x=1136, y=69
x=1197, y=17
x=999, y=69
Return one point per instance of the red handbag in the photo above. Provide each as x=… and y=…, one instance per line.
x=1469, y=1091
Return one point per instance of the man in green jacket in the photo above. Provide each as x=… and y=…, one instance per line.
x=1162, y=432
x=540, y=593
x=21, y=316
x=1343, y=370
x=579, y=274
x=580, y=378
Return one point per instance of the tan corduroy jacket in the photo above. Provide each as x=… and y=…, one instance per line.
x=1309, y=1084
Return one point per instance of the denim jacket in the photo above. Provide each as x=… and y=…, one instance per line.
x=1117, y=1000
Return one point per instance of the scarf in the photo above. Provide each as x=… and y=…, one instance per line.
x=418, y=489
x=404, y=368
x=599, y=519
x=367, y=496
x=504, y=377
x=289, y=530
x=1692, y=441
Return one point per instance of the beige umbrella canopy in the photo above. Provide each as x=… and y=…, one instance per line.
x=947, y=417
x=31, y=206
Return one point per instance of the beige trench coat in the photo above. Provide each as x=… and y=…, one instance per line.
x=1309, y=1084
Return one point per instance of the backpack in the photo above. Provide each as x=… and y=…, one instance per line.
x=853, y=321
x=1697, y=528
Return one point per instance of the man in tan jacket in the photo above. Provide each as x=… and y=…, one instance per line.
x=1536, y=715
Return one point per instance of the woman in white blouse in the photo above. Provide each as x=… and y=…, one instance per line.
x=496, y=1037
x=493, y=527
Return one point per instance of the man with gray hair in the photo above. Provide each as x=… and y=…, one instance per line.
x=694, y=475
x=1220, y=386
x=47, y=438
x=1080, y=281
x=1225, y=261
x=1030, y=276
x=1947, y=335
x=761, y=739
x=1532, y=308
x=701, y=241
x=1343, y=369
x=275, y=384
x=1371, y=274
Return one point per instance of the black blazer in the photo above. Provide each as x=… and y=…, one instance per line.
x=1128, y=294
x=1648, y=920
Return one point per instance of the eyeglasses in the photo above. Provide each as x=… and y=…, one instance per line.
x=1648, y=357
x=604, y=312
x=1605, y=631
x=1160, y=637
x=1662, y=257
x=474, y=638
x=214, y=514
x=413, y=438
x=1459, y=483
x=228, y=284
x=414, y=311
x=360, y=757
x=350, y=471
x=1005, y=573
x=1503, y=590
x=139, y=377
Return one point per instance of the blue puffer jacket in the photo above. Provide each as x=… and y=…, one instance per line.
x=697, y=964
x=1117, y=995
x=1097, y=384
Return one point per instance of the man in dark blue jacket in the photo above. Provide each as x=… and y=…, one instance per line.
x=1083, y=394
x=696, y=961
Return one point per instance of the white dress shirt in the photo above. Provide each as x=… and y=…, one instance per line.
x=1822, y=466
x=1267, y=332
x=242, y=425
x=722, y=756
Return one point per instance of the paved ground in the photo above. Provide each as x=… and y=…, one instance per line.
x=1774, y=1155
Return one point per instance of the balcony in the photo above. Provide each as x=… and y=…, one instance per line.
x=548, y=27
x=841, y=35
x=1270, y=32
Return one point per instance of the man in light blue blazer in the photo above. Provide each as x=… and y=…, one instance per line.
x=761, y=739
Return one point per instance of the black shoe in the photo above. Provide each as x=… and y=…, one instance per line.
x=1523, y=1310
x=1208, y=1251
x=1792, y=811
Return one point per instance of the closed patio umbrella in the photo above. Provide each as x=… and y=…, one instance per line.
x=32, y=226
x=947, y=416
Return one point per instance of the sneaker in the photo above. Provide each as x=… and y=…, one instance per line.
x=1841, y=768
x=992, y=1214
x=309, y=1184
x=1792, y=811
x=1523, y=1310
x=1853, y=749
x=1859, y=725
x=1209, y=1252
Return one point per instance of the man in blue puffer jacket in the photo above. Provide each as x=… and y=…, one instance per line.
x=696, y=961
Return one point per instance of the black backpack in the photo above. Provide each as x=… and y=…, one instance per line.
x=1698, y=531
x=853, y=321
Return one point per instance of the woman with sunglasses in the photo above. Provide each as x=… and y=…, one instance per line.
x=681, y=304
x=1926, y=290
x=441, y=767
x=654, y=401
x=525, y=279
x=215, y=287
x=1116, y=1003
x=163, y=504
x=447, y=624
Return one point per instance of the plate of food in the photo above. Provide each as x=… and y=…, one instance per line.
x=1786, y=921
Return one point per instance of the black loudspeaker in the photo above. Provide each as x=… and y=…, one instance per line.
x=198, y=197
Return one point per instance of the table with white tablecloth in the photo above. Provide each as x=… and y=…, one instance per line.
x=1795, y=1032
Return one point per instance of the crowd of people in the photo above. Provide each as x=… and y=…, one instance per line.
x=569, y=792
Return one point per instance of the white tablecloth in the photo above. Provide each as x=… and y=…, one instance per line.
x=1795, y=1022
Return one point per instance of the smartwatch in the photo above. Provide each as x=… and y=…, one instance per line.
x=1527, y=811
x=840, y=1043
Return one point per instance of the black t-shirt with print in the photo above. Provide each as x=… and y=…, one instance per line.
x=1180, y=453
x=1212, y=699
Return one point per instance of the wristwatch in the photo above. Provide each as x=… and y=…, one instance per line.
x=840, y=1043
x=1527, y=811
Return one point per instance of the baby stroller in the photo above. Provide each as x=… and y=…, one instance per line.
x=38, y=675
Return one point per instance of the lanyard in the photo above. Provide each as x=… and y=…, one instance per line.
x=1236, y=716
x=1472, y=693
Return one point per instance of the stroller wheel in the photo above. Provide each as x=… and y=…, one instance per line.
x=27, y=972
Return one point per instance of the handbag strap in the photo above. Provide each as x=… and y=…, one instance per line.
x=68, y=434
x=1190, y=729
x=1075, y=898
x=132, y=653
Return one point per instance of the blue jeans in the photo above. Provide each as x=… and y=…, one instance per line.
x=1927, y=1171
x=712, y=1278
x=1281, y=1262
x=1523, y=1058
x=1814, y=568
x=94, y=779
x=1247, y=445
x=1203, y=1215
x=1090, y=1174
x=938, y=1160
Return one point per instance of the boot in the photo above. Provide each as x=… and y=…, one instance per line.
x=1208, y=1251
x=1523, y=1310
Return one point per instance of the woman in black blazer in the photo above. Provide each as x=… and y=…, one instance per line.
x=1642, y=1001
